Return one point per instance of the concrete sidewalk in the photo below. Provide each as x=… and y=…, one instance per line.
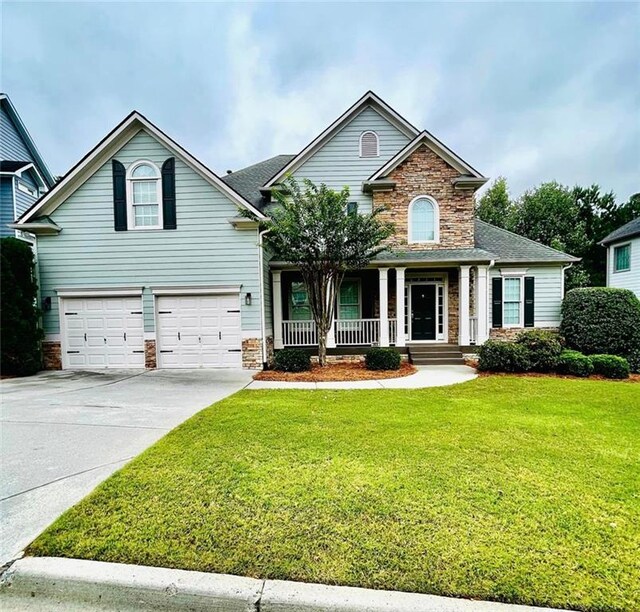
x=41, y=584
x=426, y=376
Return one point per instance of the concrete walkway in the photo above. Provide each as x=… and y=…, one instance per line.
x=426, y=376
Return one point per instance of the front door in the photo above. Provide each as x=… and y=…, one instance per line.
x=423, y=312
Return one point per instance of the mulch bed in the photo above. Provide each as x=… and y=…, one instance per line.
x=335, y=372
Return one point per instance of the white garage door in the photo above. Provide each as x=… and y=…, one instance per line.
x=199, y=331
x=103, y=332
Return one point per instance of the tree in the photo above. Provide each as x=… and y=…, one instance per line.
x=495, y=206
x=311, y=228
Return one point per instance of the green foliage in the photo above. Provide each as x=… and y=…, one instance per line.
x=601, y=320
x=575, y=363
x=633, y=358
x=543, y=348
x=499, y=356
x=495, y=206
x=292, y=360
x=20, y=328
x=610, y=366
x=382, y=359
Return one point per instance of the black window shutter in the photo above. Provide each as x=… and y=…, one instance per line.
x=169, y=193
x=119, y=196
x=529, y=291
x=496, y=302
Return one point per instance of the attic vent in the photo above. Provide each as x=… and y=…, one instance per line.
x=369, y=144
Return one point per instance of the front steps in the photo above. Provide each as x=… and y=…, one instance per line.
x=435, y=354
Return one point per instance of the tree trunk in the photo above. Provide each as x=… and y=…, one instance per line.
x=322, y=349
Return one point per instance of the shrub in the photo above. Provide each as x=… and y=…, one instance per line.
x=544, y=349
x=575, y=363
x=292, y=360
x=20, y=329
x=601, y=320
x=610, y=366
x=633, y=358
x=382, y=359
x=499, y=356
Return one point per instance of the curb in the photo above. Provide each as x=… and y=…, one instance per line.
x=47, y=583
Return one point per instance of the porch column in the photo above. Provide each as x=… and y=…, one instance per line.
x=482, y=300
x=331, y=336
x=400, y=339
x=463, y=306
x=276, y=294
x=384, y=306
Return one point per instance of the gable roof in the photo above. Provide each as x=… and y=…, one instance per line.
x=112, y=142
x=628, y=230
x=42, y=167
x=425, y=138
x=369, y=99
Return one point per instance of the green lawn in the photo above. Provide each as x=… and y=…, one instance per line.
x=514, y=489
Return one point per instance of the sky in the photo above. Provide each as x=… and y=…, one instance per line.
x=530, y=91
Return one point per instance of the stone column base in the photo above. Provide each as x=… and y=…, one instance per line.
x=150, y=359
x=252, y=353
x=52, y=355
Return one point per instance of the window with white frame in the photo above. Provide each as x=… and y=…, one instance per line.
x=622, y=258
x=32, y=191
x=144, y=196
x=349, y=300
x=512, y=301
x=299, y=303
x=423, y=220
x=369, y=144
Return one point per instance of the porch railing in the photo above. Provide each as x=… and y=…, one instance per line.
x=357, y=331
x=299, y=333
x=473, y=330
x=348, y=332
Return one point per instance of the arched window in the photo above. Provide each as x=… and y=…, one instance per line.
x=369, y=145
x=423, y=220
x=144, y=195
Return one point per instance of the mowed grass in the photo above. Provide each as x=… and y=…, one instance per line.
x=514, y=489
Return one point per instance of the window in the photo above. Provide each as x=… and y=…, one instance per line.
x=512, y=302
x=352, y=208
x=369, y=144
x=26, y=189
x=622, y=258
x=349, y=300
x=144, y=197
x=299, y=307
x=423, y=220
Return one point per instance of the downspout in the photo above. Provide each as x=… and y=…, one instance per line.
x=263, y=323
x=564, y=269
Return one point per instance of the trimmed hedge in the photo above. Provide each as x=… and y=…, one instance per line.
x=382, y=359
x=499, y=356
x=610, y=366
x=20, y=325
x=543, y=348
x=633, y=359
x=601, y=320
x=575, y=363
x=292, y=360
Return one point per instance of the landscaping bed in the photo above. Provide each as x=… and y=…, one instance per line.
x=338, y=371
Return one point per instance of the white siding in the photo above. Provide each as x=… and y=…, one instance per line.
x=631, y=278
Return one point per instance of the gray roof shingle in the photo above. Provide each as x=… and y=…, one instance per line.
x=626, y=231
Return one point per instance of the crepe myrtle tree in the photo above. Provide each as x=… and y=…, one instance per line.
x=311, y=228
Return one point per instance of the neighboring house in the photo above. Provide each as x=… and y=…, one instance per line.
x=24, y=176
x=623, y=257
x=145, y=260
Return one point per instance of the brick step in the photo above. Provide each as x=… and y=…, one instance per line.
x=437, y=361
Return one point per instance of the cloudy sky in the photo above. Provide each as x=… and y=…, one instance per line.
x=533, y=92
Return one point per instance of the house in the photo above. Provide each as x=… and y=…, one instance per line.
x=23, y=174
x=623, y=257
x=146, y=261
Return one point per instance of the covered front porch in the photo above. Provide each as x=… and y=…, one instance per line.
x=388, y=306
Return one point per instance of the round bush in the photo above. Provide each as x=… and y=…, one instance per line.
x=610, y=366
x=543, y=347
x=575, y=363
x=499, y=356
x=382, y=359
x=292, y=360
x=601, y=320
x=633, y=359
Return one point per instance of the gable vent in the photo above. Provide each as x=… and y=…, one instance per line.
x=369, y=144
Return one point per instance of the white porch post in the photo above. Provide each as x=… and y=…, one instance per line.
x=384, y=306
x=276, y=293
x=482, y=299
x=400, y=339
x=331, y=336
x=463, y=302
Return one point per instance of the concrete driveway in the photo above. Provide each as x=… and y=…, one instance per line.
x=62, y=433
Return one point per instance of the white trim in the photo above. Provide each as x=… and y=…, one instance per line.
x=513, y=271
x=130, y=180
x=196, y=290
x=436, y=221
x=148, y=335
x=358, y=281
x=545, y=324
x=104, y=151
x=438, y=280
x=520, y=324
x=369, y=98
x=613, y=252
x=377, y=154
x=20, y=171
x=52, y=338
x=88, y=292
x=22, y=186
x=250, y=333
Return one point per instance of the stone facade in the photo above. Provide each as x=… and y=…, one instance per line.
x=453, y=297
x=510, y=333
x=425, y=173
x=150, y=354
x=52, y=355
x=252, y=353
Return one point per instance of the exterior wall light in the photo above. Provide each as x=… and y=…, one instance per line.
x=247, y=299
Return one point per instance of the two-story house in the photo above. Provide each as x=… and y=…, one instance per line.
x=144, y=259
x=24, y=176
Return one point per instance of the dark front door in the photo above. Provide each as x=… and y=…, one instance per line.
x=423, y=312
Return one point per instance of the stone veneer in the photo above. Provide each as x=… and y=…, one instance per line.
x=453, y=307
x=52, y=355
x=425, y=173
x=510, y=333
x=150, y=359
x=252, y=353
